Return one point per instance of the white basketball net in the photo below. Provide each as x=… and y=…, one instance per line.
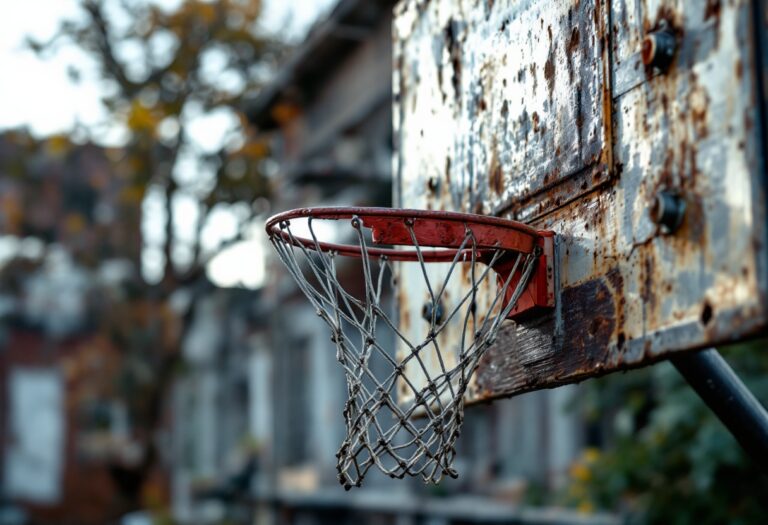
x=417, y=436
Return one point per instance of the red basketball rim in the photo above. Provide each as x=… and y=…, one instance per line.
x=442, y=231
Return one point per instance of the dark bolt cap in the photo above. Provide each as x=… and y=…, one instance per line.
x=429, y=309
x=658, y=49
x=668, y=211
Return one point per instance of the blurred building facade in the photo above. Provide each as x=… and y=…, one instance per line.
x=258, y=413
x=328, y=119
x=69, y=437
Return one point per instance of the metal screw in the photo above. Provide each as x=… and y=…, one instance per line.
x=658, y=49
x=668, y=211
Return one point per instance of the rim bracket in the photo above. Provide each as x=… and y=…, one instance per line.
x=539, y=295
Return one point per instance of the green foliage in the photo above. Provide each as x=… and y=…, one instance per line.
x=669, y=460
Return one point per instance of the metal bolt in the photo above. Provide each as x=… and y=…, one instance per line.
x=658, y=49
x=668, y=210
x=426, y=312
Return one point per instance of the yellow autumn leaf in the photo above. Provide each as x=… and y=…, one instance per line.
x=285, y=112
x=580, y=472
x=132, y=194
x=57, y=145
x=254, y=149
x=74, y=223
x=13, y=213
x=206, y=11
x=141, y=118
x=591, y=455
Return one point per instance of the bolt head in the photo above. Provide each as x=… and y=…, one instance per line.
x=668, y=211
x=658, y=49
x=429, y=309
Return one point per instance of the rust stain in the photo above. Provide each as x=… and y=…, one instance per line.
x=549, y=72
x=573, y=42
x=496, y=174
x=693, y=228
x=712, y=9
x=592, y=345
x=402, y=303
x=535, y=119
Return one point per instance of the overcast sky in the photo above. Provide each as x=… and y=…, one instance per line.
x=38, y=94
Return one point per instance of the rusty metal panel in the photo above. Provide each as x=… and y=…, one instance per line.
x=508, y=97
x=609, y=135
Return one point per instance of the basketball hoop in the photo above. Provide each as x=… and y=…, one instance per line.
x=517, y=256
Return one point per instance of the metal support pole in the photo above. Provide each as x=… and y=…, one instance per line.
x=727, y=396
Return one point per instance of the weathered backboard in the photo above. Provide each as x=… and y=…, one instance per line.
x=542, y=111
